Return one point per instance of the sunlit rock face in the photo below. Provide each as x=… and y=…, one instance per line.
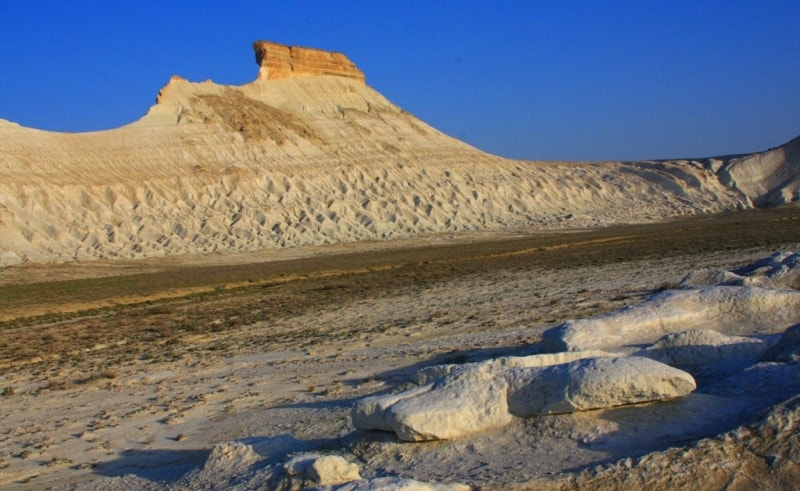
x=278, y=62
x=768, y=178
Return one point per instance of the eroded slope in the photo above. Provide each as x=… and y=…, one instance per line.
x=301, y=160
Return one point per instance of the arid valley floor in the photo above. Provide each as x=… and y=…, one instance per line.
x=127, y=374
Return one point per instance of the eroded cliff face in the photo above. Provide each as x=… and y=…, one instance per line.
x=768, y=178
x=294, y=159
x=278, y=62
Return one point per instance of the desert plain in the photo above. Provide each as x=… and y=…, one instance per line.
x=199, y=300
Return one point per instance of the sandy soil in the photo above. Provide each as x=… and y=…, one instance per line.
x=136, y=390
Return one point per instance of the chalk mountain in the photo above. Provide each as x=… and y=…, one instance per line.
x=309, y=154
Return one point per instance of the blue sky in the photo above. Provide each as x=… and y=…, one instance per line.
x=563, y=80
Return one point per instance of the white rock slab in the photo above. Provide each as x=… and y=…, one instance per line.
x=369, y=413
x=593, y=383
x=463, y=403
x=481, y=396
x=731, y=309
x=332, y=469
x=325, y=470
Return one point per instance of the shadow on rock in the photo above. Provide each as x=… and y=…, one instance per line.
x=165, y=466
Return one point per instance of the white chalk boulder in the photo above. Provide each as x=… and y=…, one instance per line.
x=704, y=352
x=369, y=413
x=465, y=402
x=480, y=396
x=593, y=383
x=325, y=470
x=735, y=309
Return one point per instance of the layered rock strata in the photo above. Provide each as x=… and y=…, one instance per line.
x=308, y=154
x=278, y=62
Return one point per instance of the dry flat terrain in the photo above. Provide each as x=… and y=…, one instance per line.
x=140, y=368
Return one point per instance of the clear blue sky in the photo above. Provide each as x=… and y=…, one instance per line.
x=591, y=80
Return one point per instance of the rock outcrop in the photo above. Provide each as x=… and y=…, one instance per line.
x=308, y=154
x=278, y=62
x=768, y=178
x=761, y=297
x=462, y=403
x=324, y=470
x=593, y=383
x=486, y=395
x=457, y=400
x=780, y=270
x=732, y=308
